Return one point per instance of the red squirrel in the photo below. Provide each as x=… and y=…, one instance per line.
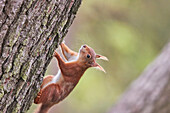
x=55, y=88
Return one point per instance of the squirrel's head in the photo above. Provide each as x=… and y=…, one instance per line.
x=88, y=56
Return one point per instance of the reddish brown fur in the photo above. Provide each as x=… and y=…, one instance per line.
x=46, y=80
x=52, y=93
x=68, y=50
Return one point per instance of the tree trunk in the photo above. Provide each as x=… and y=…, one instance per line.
x=30, y=31
x=150, y=93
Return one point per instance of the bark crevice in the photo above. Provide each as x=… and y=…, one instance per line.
x=30, y=32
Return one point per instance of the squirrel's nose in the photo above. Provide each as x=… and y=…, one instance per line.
x=84, y=46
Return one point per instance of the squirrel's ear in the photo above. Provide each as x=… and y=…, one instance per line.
x=96, y=65
x=101, y=57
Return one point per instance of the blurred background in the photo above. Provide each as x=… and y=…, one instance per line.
x=131, y=33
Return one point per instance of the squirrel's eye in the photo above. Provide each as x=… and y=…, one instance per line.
x=88, y=56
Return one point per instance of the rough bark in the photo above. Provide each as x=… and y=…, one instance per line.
x=150, y=93
x=30, y=31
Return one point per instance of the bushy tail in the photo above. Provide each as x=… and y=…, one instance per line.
x=43, y=108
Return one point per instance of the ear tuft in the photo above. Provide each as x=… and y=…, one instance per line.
x=96, y=65
x=100, y=68
x=101, y=57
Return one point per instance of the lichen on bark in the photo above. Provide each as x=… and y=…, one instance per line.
x=30, y=31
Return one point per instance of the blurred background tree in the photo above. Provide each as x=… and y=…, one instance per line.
x=130, y=33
